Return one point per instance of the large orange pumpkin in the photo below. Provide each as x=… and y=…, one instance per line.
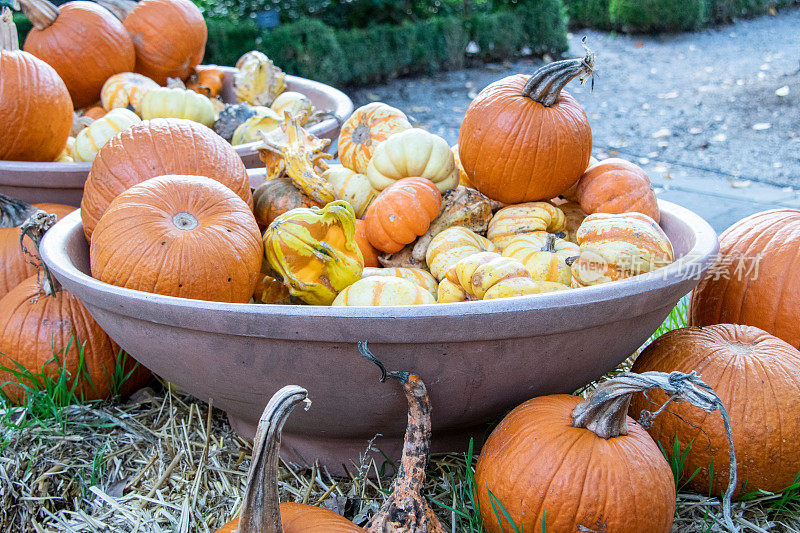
x=757, y=377
x=15, y=266
x=169, y=36
x=755, y=280
x=35, y=107
x=187, y=236
x=584, y=465
x=155, y=148
x=401, y=213
x=617, y=186
x=525, y=139
x=44, y=328
x=83, y=41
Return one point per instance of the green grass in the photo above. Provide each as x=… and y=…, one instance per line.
x=678, y=318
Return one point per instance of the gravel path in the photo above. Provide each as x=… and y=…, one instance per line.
x=723, y=103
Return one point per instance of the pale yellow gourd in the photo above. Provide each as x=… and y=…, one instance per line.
x=166, y=102
x=416, y=276
x=97, y=134
x=265, y=120
x=352, y=187
x=294, y=103
x=383, y=291
x=520, y=219
x=545, y=256
x=452, y=245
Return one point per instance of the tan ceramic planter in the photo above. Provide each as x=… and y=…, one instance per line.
x=479, y=359
x=63, y=182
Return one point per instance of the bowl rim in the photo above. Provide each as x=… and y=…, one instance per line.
x=694, y=261
x=344, y=108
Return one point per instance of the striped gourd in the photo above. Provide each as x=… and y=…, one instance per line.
x=352, y=187
x=92, y=138
x=546, y=257
x=452, y=245
x=383, y=291
x=415, y=275
x=126, y=89
x=367, y=127
x=520, y=219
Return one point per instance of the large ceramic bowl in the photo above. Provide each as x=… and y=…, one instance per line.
x=63, y=182
x=478, y=359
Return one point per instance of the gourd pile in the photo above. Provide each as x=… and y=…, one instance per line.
x=90, y=70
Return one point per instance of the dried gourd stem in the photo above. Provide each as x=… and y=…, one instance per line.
x=35, y=228
x=549, y=244
x=41, y=13
x=261, y=506
x=119, y=8
x=406, y=509
x=605, y=411
x=9, y=39
x=14, y=212
x=545, y=85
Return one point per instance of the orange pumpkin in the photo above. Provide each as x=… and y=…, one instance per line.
x=584, y=465
x=617, y=186
x=275, y=197
x=207, y=81
x=35, y=106
x=83, y=41
x=463, y=179
x=525, y=139
x=187, y=236
x=367, y=127
x=401, y=213
x=741, y=363
x=95, y=113
x=44, y=328
x=755, y=280
x=368, y=252
x=154, y=148
x=15, y=266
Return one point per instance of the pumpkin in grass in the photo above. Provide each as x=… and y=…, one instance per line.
x=615, y=247
x=154, y=148
x=368, y=252
x=16, y=265
x=584, y=465
x=45, y=328
x=126, y=89
x=617, y=186
x=401, y=213
x=373, y=291
x=186, y=236
x=169, y=36
x=366, y=128
x=404, y=510
x=416, y=276
x=545, y=256
x=93, y=137
x=742, y=364
x=522, y=219
x=35, y=106
x=488, y=275
x=82, y=41
x=350, y=186
x=525, y=139
x=755, y=280
x=166, y=102
x=315, y=251
x=275, y=197
x=452, y=245
x=411, y=153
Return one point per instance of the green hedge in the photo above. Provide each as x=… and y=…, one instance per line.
x=589, y=14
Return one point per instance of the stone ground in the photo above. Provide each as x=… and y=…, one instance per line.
x=713, y=116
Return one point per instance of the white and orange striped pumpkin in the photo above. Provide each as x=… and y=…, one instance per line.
x=619, y=246
x=352, y=187
x=97, y=134
x=521, y=219
x=544, y=255
x=415, y=275
x=382, y=291
x=487, y=276
x=126, y=90
x=367, y=127
x=452, y=245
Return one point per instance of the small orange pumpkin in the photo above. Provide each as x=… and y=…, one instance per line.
x=186, y=236
x=368, y=252
x=207, y=80
x=401, y=213
x=617, y=186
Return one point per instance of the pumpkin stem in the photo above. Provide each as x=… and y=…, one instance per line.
x=35, y=227
x=549, y=244
x=604, y=411
x=119, y=8
x=261, y=512
x=546, y=83
x=9, y=40
x=406, y=510
x=41, y=13
x=13, y=212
